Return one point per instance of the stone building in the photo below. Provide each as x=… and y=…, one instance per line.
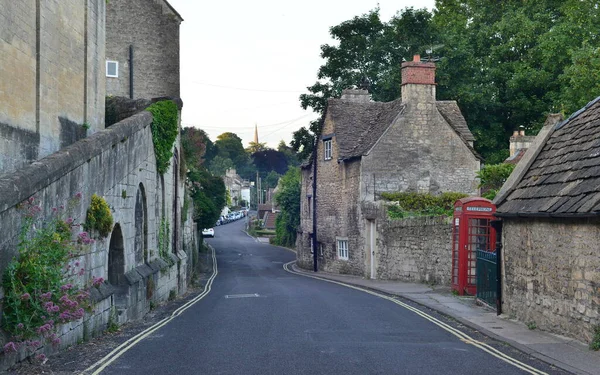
x=519, y=143
x=550, y=209
x=142, y=49
x=414, y=143
x=51, y=77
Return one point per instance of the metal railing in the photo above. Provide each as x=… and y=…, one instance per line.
x=486, y=277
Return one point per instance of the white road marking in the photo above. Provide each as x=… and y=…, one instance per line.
x=124, y=347
x=253, y=295
x=460, y=335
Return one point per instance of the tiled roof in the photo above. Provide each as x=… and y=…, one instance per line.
x=516, y=158
x=362, y=124
x=564, y=179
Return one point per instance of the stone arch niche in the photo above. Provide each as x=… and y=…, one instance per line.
x=175, y=200
x=116, y=258
x=141, y=226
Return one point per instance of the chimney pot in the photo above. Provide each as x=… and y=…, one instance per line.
x=515, y=133
x=522, y=132
x=417, y=58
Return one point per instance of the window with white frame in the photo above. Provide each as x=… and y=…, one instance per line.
x=112, y=68
x=327, y=144
x=342, y=249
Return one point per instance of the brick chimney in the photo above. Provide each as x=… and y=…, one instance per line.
x=418, y=80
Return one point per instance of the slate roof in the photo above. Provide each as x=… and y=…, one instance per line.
x=364, y=123
x=564, y=178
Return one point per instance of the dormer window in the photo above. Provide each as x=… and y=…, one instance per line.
x=327, y=145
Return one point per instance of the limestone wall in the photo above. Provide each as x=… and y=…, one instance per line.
x=51, y=76
x=119, y=164
x=414, y=249
x=552, y=274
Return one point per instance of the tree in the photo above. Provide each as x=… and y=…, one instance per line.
x=290, y=155
x=255, y=147
x=288, y=199
x=271, y=180
x=209, y=196
x=195, y=143
x=219, y=165
x=270, y=160
x=229, y=146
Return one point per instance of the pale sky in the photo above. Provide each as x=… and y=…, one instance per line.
x=245, y=62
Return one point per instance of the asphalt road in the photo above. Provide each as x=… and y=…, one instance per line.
x=260, y=319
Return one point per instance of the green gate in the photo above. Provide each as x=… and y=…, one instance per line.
x=486, y=277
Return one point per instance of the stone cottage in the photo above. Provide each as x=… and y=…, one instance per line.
x=142, y=49
x=550, y=209
x=414, y=143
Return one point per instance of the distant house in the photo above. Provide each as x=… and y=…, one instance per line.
x=519, y=144
x=142, y=49
x=414, y=143
x=550, y=208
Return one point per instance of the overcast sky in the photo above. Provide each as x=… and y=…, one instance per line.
x=245, y=62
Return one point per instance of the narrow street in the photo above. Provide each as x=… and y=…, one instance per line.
x=260, y=319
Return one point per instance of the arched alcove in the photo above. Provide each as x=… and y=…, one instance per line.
x=141, y=226
x=116, y=257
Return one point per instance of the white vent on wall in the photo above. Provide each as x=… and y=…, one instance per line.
x=112, y=68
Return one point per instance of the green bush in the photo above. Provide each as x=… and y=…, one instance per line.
x=164, y=132
x=421, y=204
x=99, y=217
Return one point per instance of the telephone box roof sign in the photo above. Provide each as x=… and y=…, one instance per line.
x=474, y=202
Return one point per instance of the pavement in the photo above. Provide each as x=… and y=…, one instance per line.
x=563, y=352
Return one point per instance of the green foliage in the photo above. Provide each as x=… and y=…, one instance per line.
x=164, y=234
x=196, y=146
x=271, y=180
x=288, y=199
x=492, y=177
x=421, y=204
x=229, y=146
x=164, y=132
x=531, y=325
x=219, y=165
x=595, y=343
x=209, y=196
x=39, y=284
x=98, y=217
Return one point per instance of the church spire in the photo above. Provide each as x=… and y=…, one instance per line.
x=255, y=133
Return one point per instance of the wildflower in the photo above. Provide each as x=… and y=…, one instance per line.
x=66, y=287
x=69, y=220
x=54, y=209
x=62, y=206
x=20, y=326
x=81, y=272
x=96, y=281
x=78, y=195
x=77, y=264
x=46, y=296
x=31, y=199
x=34, y=344
x=10, y=347
x=41, y=357
x=44, y=329
x=25, y=297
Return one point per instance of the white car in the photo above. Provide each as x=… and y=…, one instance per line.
x=210, y=232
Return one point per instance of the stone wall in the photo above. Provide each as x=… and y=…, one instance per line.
x=303, y=239
x=414, y=249
x=51, y=76
x=420, y=152
x=152, y=28
x=552, y=274
x=119, y=164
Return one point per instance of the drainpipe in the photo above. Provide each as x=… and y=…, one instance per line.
x=314, y=202
x=131, y=71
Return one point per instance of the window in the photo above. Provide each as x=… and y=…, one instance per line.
x=327, y=144
x=112, y=68
x=342, y=249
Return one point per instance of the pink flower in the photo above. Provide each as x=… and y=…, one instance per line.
x=31, y=199
x=69, y=220
x=96, y=281
x=20, y=326
x=46, y=296
x=66, y=287
x=10, y=347
x=25, y=297
x=41, y=357
x=78, y=195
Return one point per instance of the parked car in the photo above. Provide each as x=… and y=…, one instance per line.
x=208, y=232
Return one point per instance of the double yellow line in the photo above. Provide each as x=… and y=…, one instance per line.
x=99, y=366
x=460, y=335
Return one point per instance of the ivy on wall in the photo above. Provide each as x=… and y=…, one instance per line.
x=421, y=204
x=164, y=132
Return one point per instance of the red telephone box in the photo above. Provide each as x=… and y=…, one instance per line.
x=472, y=232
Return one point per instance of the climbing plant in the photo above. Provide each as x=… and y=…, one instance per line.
x=164, y=132
x=420, y=204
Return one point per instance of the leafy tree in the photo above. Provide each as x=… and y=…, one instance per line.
x=195, y=143
x=209, y=196
x=256, y=147
x=290, y=155
x=492, y=177
x=271, y=180
x=219, y=165
x=288, y=199
x=229, y=146
x=270, y=160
